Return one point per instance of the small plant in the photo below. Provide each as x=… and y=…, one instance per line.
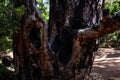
x=112, y=40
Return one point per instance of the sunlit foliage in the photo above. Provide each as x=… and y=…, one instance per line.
x=112, y=40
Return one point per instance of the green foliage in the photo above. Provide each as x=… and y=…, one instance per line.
x=10, y=17
x=112, y=40
x=44, y=8
x=114, y=7
x=5, y=74
x=9, y=20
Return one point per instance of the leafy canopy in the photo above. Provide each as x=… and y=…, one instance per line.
x=10, y=17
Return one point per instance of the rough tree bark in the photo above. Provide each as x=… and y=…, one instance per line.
x=67, y=51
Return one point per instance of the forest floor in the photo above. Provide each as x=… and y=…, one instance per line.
x=107, y=63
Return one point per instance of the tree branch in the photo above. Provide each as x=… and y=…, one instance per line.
x=85, y=36
x=108, y=25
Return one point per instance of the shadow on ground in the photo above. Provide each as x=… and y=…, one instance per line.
x=107, y=63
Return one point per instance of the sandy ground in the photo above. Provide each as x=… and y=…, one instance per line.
x=107, y=63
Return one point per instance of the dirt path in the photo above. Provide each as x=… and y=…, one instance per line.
x=107, y=63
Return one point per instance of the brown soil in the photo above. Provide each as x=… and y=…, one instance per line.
x=107, y=63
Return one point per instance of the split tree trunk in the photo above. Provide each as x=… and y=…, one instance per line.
x=67, y=51
x=66, y=18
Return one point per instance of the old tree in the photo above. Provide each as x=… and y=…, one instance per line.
x=64, y=48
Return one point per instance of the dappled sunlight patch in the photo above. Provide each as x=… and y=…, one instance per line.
x=107, y=63
x=107, y=60
x=100, y=66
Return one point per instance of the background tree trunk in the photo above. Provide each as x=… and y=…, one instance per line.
x=61, y=54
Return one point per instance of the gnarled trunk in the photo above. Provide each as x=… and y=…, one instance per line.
x=66, y=18
x=67, y=51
